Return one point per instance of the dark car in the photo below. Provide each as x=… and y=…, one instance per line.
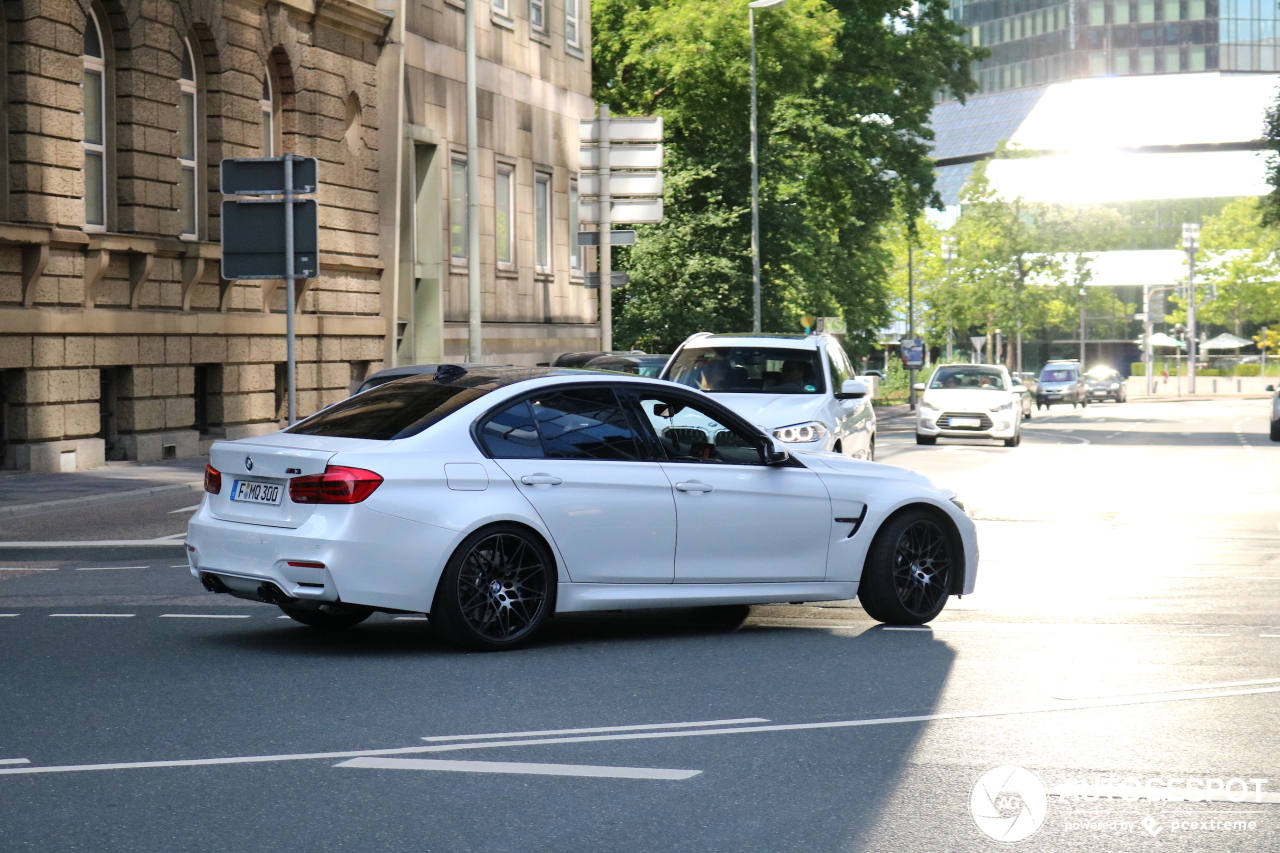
x=382, y=377
x=580, y=359
x=637, y=365
x=1106, y=383
x=1062, y=382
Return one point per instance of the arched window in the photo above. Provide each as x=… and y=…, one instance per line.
x=95, y=127
x=188, y=143
x=267, y=105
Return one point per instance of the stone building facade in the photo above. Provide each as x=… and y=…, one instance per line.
x=118, y=337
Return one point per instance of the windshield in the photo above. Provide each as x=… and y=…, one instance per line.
x=1058, y=374
x=395, y=410
x=978, y=378
x=749, y=370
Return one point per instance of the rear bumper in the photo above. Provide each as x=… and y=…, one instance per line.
x=368, y=557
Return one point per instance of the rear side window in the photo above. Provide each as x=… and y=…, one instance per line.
x=580, y=423
x=394, y=410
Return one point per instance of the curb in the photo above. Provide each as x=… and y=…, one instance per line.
x=88, y=500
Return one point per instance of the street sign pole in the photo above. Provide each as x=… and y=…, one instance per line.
x=475, y=296
x=1147, y=330
x=291, y=366
x=606, y=244
x=1191, y=242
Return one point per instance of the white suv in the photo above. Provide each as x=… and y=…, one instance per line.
x=800, y=388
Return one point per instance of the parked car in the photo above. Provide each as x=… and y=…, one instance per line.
x=637, y=365
x=492, y=498
x=392, y=373
x=580, y=359
x=1106, y=383
x=1062, y=382
x=971, y=401
x=801, y=388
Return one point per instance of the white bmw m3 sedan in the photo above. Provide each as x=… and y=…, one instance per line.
x=492, y=499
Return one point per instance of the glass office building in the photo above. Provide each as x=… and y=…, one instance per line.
x=1034, y=42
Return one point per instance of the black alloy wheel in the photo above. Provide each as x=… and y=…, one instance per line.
x=328, y=617
x=908, y=573
x=496, y=590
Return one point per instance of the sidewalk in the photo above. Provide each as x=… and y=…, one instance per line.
x=21, y=493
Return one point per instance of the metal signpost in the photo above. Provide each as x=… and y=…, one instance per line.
x=978, y=341
x=272, y=238
x=618, y=157
x=1191, y=242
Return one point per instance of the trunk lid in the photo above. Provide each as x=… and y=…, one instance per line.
x=270, y=462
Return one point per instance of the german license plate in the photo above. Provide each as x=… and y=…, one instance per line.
x=256, y=493
x=1054, y=396
x=1099, y=391
x=966, y=422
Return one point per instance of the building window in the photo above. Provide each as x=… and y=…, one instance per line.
x=504, y=216
x=95, y=127
x=458, y=209
x=571, y=23
x=575, y=225
x=542, y=221
x=188, y=149
x=502, y=7
x=538, y=15
x=268, y=108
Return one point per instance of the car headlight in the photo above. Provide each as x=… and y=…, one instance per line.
x=800, y=433
x=1007, y=407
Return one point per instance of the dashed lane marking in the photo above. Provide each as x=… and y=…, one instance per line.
x=600, y=729
x=109, y=568
x=185, y=509
x=93, y=615
x=586, y=770
x=15, y=760
x=204, y=616
x=1212, y=686
x=26, y=569
x=651, y=735
x=409, y=619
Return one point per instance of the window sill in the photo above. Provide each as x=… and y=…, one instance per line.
x=503, y=21
x=508, y=272
x=574, y=51
x=540, y=36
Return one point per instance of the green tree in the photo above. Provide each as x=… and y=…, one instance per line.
x=846, y=91
x=1240, y=258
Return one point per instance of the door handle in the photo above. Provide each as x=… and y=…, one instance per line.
x=692, y=486
x=540, y=480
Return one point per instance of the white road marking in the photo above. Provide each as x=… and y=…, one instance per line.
x=26, y=569
x=600, y=729
x=284, y=617
x=1184, y=689
x=518, y=767
x=204, y=616
x=170, y=536
x=181, y=566
x=891, y=628
x=6, y=615
x=95, y=615
x=185, y=509
x=109, y=568
x=15, y=760
x=409, y=619
x=1162, y=795
x=1260, y=635
x=792, y=727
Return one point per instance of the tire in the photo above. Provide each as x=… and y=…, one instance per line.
x=1275, y=430
x=1015, y=441
x=909, y=569
x=926, y=439
x=871, y=450
x=496, y=591
x=328, y=617
x=1124, y=395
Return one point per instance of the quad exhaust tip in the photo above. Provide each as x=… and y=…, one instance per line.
x=213, y=583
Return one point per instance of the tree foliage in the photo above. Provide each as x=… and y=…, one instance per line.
x=845, y=93
x=1240, y=259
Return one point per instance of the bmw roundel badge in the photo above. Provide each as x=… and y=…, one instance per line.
x=248, y=463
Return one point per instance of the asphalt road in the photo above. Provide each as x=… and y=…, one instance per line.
x=1125, y=625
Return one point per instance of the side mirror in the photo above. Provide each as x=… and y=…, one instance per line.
x=1271, y=388
x=775, y=452
x=919, y=386
x=852, y=389
x=1019, y=389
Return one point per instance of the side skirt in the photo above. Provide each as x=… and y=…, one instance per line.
x=578, y=597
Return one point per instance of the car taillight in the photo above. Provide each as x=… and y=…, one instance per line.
x=212, y=479
x=337, y=485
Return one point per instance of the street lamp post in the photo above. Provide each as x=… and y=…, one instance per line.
x=755, y=166
x=949, y=254
x=1191, y=242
